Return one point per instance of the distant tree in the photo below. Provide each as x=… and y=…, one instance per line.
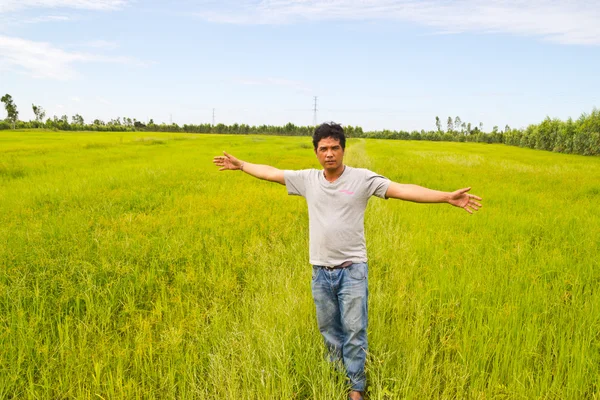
x=39, y=113
x=589, y=123
x=49, y=123
x=11, y=109
x=450, y=125
x=481, y=126
x=564, y=140
x=220, y=128
x=506, y=128
x=495, y=129
x=469, y=128
x=289, y=128
x=98, y=122
x=77, y=119
x=457, y=123
x=438, y=124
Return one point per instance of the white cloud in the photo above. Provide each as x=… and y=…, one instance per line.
x=101, y=44
x=568, y=22
x=46, y=18
x=15, y=5
x=43, y=60
x=9, y=21
x=12, y=11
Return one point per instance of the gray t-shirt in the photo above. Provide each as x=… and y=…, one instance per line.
x=336, y=211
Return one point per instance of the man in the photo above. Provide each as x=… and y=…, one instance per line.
x=337, y=197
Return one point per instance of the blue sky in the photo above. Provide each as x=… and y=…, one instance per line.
x=380, y=64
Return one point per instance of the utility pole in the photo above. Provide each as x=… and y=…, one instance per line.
x=315, y=111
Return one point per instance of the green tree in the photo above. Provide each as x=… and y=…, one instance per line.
x=289, y=128
x=450, y=125
x=564, y=139
x=546, y=134
x=457, y=123
x=39, y=113
x=438, y=124
x=77, y=119
x=11, y=109
x=590, y=122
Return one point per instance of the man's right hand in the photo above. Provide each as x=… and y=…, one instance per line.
x=266, y=172
x=227, y=161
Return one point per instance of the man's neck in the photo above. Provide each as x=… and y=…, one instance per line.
x=332, y=176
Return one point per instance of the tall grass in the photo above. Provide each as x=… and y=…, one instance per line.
x=131, y=268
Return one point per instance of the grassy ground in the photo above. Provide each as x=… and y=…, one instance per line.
x=131, y=268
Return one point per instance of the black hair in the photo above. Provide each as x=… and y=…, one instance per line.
x=329, y=130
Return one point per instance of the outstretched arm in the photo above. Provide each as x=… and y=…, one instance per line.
x=418, y=194
x=266, y=172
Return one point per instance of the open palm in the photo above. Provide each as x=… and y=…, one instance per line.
x=460, y=198
x=227, y=161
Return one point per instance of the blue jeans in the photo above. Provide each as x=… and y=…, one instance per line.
x=340, y=297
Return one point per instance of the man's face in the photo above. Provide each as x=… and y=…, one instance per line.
x=330, y=153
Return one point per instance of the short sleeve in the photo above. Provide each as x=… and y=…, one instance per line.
x=295, y=182
x=377, y=185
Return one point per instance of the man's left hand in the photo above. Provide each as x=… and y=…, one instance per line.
x=460, y=198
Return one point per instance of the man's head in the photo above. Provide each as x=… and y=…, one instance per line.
x=329, y=130
x=329, y=142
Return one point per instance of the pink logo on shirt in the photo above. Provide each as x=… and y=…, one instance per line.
x=347, y=192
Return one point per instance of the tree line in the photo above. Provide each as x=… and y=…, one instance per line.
x=581, y=136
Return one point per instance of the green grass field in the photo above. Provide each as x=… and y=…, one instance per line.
x=131, y=268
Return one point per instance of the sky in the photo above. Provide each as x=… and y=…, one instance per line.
x=379, y=64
